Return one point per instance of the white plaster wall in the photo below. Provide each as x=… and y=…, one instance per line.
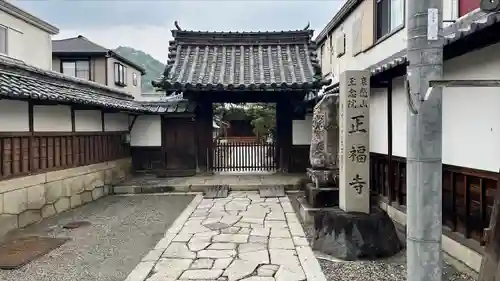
x=378, y=121
x=14, y=116
x=27, y=42
x=471, y=127
x=88, y=121
x=302, y=131
x=380, y=51
x=146, y=131
x=399, y=109
x=114, y=122
x=54, y=118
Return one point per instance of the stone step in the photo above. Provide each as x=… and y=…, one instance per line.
x=216, y=191
x=272, y=191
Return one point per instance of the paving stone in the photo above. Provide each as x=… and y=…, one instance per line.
x=222, y=263
x=231, y=230
x=251, y=247
x=258, y=239
x=296, y=229
x=141, y=271
x=280, y=233
x=257, y=256
x=182, y=237
x=260, y=231
x=287, y=208
x=230, y=219
x=217, y=254
x=258, y=278
x=300, y=241
x=202, y=264
x=255, y=213
x=201, y=274
x=275, y=224
x=222, y=246
x=281, y=243
x=236, y=206
x=195, y=229
x=252, y=220
x=272, y=200
x=309, y=262
x=231, y=238
x=178, y=250
x=153, y=255
x=244, y=230
x=204, y=236
x=217, y=225
x=242, y=224
x=211, y=220
x=239, y=269
x=275, y=216
x=284, y=274
x=267, y=270
x=197, y=245
x=170, y=268
x=292, y=218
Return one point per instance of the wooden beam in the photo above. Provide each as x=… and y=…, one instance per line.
x=102, y=121
x=73, y=119
x=132, y=123
x=490, y=270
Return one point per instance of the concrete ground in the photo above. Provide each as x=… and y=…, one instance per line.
x=390, y=269
x=239, y=238
x=122, y=230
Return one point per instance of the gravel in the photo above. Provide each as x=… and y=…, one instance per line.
x=123, y=229
x=390, y=269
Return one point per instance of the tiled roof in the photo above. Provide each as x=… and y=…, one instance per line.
x=174, y=106
x=20, y=81
x=241, y=60
x=82, y=45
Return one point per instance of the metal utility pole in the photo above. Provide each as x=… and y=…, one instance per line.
x=424, y=141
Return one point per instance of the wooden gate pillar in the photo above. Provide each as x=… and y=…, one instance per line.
x=204, y=128
x=283, y=133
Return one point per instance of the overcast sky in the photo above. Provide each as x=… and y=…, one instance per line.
x=146, y=25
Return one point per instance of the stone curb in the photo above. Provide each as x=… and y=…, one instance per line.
x=142, y=270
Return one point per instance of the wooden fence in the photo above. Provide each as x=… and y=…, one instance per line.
x=243, y=156
x=468, y=194
x=25, y=154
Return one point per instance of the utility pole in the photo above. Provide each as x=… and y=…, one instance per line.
x=424, y=141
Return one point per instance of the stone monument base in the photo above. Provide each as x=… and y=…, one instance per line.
x=355, y=236
x=321, y=197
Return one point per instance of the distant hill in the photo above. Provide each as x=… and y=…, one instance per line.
x=154, y=68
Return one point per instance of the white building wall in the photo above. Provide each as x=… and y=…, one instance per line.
x=88, y=121
x=471, y=127
x=378, y=121
x=399, y=110
x=380, y=50
x=115, y=122
x=14, y=116
x=302, y=131
x=146, y=131
x=27, y=42
x=52, y=118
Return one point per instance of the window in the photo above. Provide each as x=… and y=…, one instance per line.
x=390, y=16
x=77, y=68
x=3, y=39
x=120, y=74
x=134, y=78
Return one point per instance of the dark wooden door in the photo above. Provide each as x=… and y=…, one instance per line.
x=178, y=143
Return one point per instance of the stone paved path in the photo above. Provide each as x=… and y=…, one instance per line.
x=241, y=237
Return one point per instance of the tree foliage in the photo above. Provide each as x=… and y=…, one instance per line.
x=262, y=116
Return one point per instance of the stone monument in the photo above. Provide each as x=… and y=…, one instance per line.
x=323, y=154
x=355, y=230
x=354, y=154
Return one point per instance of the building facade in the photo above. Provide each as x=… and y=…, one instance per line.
x=79, y=57
x=371, y=35
x=25, y=37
